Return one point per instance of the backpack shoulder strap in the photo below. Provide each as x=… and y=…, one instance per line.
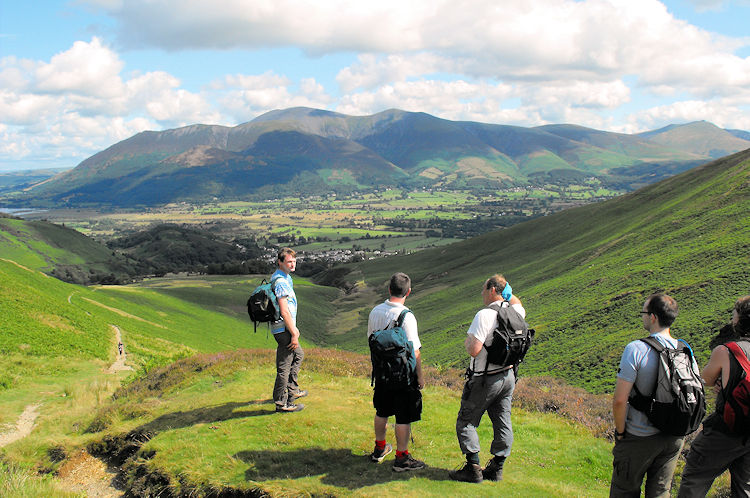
x=739, y=354
x=400, y=319
x=654, y=343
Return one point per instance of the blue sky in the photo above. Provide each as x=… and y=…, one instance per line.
x=78, y=76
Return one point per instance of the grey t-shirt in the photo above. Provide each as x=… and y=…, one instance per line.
x=639, y=364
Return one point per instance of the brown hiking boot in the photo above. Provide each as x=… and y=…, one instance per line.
x=407, y=463
x=494, y=470
x=289, y=408
x=470, y=472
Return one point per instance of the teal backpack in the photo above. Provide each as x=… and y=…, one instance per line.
x=262, y=305
x=394, y=364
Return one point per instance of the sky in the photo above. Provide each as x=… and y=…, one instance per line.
x=78, y=76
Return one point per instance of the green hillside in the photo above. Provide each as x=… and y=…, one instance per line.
x=582, y=274
x=63, y=252
x=194, y=417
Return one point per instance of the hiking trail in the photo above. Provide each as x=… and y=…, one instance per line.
x=119, y=364
x=23, y=426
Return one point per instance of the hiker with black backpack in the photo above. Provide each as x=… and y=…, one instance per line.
x=396, y=373
x=724, y=442
x=491, y=378
x=289, y=354
x=658, y=399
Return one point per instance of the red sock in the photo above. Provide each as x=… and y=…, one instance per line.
x=379, y=444
x=402, y=454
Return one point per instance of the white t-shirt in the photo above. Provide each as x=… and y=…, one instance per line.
x=485, y=321
x=384, y=315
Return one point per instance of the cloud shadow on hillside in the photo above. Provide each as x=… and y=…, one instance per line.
x=338, y=467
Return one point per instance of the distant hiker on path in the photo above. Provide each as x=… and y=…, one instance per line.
x=720, y=447
x=641, y=449
x=397, y=372
x=289, y=354
x=489, y=386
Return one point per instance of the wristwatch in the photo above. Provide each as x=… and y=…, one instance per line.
x=619, y=435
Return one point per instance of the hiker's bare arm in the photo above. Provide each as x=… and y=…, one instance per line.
x=620, y=403
x=420, y=376
x=514, y=300
x=286, y=315
x=717, y=368
x=473, y=345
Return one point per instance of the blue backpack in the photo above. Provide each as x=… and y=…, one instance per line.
x=262, y=305
x=394, y=364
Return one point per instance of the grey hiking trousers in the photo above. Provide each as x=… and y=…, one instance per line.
x=493, y=396
x=288, y=363
x=711, y=453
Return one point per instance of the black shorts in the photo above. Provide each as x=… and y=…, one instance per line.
x=406, y=404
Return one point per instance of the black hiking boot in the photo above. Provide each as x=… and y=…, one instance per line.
x=289, y=408
x=494, y=470
x=407, y=463
x=299, y=394
x=378, y=455
x=470, y=472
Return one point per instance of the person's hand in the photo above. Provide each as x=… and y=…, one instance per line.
x=294, y=344
x=420, y=383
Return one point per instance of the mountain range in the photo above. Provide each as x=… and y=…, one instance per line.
x=303, y=150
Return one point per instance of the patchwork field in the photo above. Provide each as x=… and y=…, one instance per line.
x=389, y=220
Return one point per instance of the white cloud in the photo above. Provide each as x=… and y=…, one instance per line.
x=245, y=96
x=78, y=103
x=87, y=68
x=723, y=114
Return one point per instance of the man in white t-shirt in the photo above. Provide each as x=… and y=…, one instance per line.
x=404, y=404
x=487, y=389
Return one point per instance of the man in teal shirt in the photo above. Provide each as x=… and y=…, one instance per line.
x=289, y=354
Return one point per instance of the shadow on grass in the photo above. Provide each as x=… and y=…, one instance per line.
x=206, y=415
x=338, y=467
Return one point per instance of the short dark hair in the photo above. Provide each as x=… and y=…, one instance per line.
x=742, y=307
x=399, y=285
x=663, y=307
x=498, y=282
x=283, y=252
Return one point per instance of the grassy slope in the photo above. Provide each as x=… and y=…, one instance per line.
x=215, y=409
x=208, y=416
x=584, y=272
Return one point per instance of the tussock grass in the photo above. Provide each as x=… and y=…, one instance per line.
x=17, y=482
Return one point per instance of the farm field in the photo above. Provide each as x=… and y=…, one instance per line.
x=388, y=220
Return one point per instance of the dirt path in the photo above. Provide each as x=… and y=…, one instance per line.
x=84, y=473
x=23, y=426
x=119, y=364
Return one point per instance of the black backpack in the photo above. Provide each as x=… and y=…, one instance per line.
x=677, y=403
x=736, y=410
x=262, y=305
x=394, y=364
x=511, y=339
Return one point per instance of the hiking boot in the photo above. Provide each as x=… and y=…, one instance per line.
x=299, y=394
x=470, y=472
x=494, y=470
x=378, y=455
x=289, y=408
x=407, y=463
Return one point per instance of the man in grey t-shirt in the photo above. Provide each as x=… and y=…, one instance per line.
x=640, y=448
